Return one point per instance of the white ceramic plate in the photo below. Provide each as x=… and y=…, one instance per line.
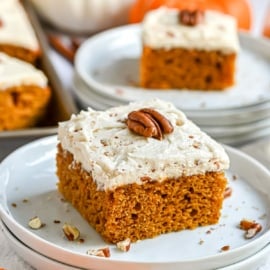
x=243, y=139
x=41, y=262
x=29, y=174
x=34, y=259
x=87, y=97
x=260, y=150
x=240, y=116
x=229, y=134
x=234, y=130
x=109, y=64
x=212, y=119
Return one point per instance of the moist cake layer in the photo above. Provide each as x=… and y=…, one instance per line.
x=141, y=211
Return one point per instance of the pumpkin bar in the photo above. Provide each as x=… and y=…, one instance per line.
x=184, y=49
x=24, y=94
x=140, y=170
x=17, y=36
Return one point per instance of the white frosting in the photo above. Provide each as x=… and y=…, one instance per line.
x=103, y=144
x=15, y=72
x=217, y=31
x=15, y=26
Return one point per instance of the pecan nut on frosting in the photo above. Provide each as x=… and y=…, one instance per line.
x=149, y=123
x=191, y=17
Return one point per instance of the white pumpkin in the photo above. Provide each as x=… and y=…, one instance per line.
x=84, y=16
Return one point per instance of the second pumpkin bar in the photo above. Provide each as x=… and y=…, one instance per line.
x=194, y=50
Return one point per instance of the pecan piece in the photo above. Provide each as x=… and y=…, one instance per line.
x=149, y=123
x=100, y=252
x=124, y=245
x=163, y=122
x=35, y=223
x=251, y=227
x=71, y=232
x=142, y=124
x=190, y=17
x=227, y=192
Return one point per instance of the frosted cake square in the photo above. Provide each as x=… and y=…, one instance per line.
x=24, y=94
x=140, y=170
x=184, y=49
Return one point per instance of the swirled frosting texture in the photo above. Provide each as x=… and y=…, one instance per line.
x=217, y=31
x=106, y=148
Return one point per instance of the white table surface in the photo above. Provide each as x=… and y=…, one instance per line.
x=11, y=261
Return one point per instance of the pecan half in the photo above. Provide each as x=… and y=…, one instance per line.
x=191, y=17
x=149, y=123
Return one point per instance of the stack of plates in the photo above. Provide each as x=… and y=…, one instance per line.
x=107, y=74
x=30, y=190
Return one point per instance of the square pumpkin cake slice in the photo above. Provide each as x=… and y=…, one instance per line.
x=183, y=49
x=17, y=35
x=25, y=94
x=140, y=170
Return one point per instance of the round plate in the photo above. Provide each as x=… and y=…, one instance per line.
x=259, y=149
x=87, y=97
x=241, y=116
x=226, y=131
x=242, y=139
x=43, y=263
x=212, y=119
x=109, y=64
x=28, y=189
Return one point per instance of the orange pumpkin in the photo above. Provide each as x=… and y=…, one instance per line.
x=240, y=9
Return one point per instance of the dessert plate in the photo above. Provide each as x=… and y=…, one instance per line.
x=234, y=130
x=28, y=189
x=109, y=64
x=87, y=98
x=41, y=262
x=210, y=118
x=259, y=149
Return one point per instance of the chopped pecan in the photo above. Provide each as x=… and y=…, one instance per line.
x=71, y=232
x=100, y=252
x=35, y=223
x=149, y=123
x=191, y=17
x=124, y=245
x=227, y=192
x=251, y=227
x=225, y=248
